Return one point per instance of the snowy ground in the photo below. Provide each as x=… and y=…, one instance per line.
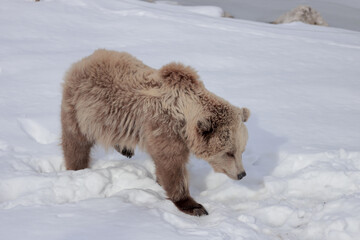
x=302, y=161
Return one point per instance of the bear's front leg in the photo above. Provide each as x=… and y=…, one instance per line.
x=172, y=175
x=171, y=156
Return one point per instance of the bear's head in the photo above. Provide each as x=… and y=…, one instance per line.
x=221, y=138
x=215, y=129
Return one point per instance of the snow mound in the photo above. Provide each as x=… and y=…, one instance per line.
x=41, y=184
x=37, y=132
x=304, y=14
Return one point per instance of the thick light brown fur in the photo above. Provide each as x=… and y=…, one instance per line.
x=114, y=100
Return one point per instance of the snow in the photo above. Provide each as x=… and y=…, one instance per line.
x=211, y=11
x=301, y=83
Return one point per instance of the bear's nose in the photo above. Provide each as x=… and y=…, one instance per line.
x=241, y=175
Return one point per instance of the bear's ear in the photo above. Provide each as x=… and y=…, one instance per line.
x=245, y=114
x=176, y=74
x=206, y=128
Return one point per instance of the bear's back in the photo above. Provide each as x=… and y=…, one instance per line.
x=102, y=91
x=111, y=69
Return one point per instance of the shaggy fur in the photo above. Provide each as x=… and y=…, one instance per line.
x=114, y=100
x=304, y=14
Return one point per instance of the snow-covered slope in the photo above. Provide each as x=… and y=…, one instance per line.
x=303, y=158
x=338, y=13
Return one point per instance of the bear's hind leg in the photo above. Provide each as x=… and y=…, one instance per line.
x=76, y=150
x=76, y=147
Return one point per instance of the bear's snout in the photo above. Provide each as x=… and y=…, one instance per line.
x=241, y=175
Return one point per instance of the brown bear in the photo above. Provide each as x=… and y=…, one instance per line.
x=113, y=99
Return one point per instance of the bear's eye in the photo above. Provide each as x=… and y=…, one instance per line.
x=230, y=154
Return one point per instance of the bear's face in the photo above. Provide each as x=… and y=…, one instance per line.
x=222, y=146
x=229, y=159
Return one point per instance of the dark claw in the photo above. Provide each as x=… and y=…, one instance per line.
x=200, y=211
x=124, y=151
x=127, y=152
